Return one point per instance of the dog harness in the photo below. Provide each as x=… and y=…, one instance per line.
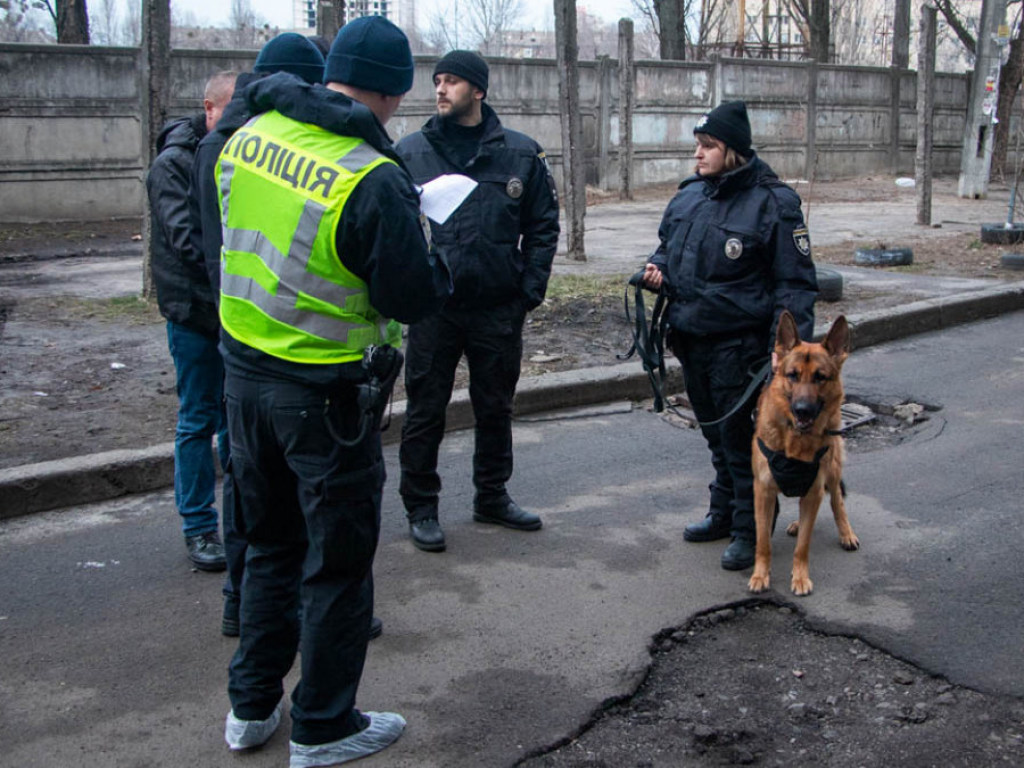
x=793, y=476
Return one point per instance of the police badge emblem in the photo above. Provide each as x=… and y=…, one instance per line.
x=514, y=188
x=733, y=248
x=802, y=240
x=701, y=123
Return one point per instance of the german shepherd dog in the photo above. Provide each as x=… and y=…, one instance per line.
x=797, y=449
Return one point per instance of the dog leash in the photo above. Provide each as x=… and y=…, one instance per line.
x=649, y=345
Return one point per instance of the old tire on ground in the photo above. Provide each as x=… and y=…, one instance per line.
x=830, y=284
x=1012, y=260
x=883, y=257
x=1001, y=234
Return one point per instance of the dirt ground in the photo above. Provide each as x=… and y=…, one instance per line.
x=753, y=684
x=86, y=375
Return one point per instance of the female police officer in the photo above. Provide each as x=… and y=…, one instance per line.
x=734, y=253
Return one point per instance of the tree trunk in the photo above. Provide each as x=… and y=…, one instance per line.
x=72, y=22
x=820, y=28
x=1010, y=76
x=672, y=22
x=155, y=86
x=573, y=177
x=330, y=17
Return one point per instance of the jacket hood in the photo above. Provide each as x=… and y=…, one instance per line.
x=317, y=104
x=182, y=132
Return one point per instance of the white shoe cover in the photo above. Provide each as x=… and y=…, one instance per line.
x=383, y=730
x=246, y=734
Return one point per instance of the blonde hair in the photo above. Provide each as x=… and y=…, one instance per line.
x=733, y=159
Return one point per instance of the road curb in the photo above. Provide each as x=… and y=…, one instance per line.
x=98, y=477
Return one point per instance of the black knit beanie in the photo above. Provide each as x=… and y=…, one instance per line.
x=371, y=53
x=728, y=122
x=467, y=65
x=291, y=52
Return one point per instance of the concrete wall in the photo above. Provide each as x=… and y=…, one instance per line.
x=70, y=134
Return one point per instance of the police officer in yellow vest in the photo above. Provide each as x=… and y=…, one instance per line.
x=324, y=250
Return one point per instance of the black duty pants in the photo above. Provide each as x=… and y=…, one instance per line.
x=716, y=372
x=492, y=340
x=310, y=512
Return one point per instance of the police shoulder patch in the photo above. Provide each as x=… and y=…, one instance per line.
x=802, y=240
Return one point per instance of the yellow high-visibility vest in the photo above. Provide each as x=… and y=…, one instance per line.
x=282, y=185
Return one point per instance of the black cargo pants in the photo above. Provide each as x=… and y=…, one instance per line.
x=716, y=371
x=309, y=510
x=492, y=340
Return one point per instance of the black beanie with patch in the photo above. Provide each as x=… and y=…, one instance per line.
x=467, y=65
x=729, y=123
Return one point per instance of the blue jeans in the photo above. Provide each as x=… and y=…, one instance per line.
x=200, y=380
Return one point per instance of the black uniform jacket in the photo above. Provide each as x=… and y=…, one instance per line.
x=380, y=237
x=501, y=241
x=735, y=252
x=204, y=206
x=182, y=288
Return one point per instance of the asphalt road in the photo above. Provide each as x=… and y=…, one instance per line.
x=109, y=646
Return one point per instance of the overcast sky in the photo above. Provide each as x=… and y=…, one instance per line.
x=537, y=13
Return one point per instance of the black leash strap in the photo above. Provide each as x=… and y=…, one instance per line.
x=649, y=345
x=648, y=340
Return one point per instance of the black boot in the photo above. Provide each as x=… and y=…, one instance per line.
x=510, y=515
x=206, y=551
x=739, y=555
x=711, y=528
x=427, y=535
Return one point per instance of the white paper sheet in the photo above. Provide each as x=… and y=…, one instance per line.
x=441, y=196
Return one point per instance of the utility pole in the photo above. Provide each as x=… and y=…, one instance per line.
x=976, y=154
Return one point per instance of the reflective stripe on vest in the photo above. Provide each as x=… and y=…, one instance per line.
x=284, y=290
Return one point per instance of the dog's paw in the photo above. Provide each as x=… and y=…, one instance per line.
x=849, y=543
x=793, y=528
x=801, y=586
x=759, y=583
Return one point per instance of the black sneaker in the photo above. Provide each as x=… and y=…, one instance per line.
x=206, y=551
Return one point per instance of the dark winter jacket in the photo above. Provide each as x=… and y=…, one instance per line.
x=734, y=253
x=501, y=241
x=182, y=287
x=380, y=236
x=204, y=207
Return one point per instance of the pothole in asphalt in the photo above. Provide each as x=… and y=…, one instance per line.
x=753, y=684
x=870, y=423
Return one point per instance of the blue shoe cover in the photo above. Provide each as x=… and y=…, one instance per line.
x=246, y=734
x=383, y=730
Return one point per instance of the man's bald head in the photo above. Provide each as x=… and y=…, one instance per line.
x=217, y=94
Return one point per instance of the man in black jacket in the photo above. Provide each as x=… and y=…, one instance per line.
x=324, y=249
x=288, y=52
x=500, y=244
x=186, y=301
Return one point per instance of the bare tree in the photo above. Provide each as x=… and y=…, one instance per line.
x=248, y=29
x=71, y=19
x=106, y=23
x=472, y=24
x=814, y=18
x=19, y=23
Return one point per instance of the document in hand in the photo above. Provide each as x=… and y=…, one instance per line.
x=441, y=196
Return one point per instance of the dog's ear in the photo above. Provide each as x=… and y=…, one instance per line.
x=786, y=334
x=837, y=340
